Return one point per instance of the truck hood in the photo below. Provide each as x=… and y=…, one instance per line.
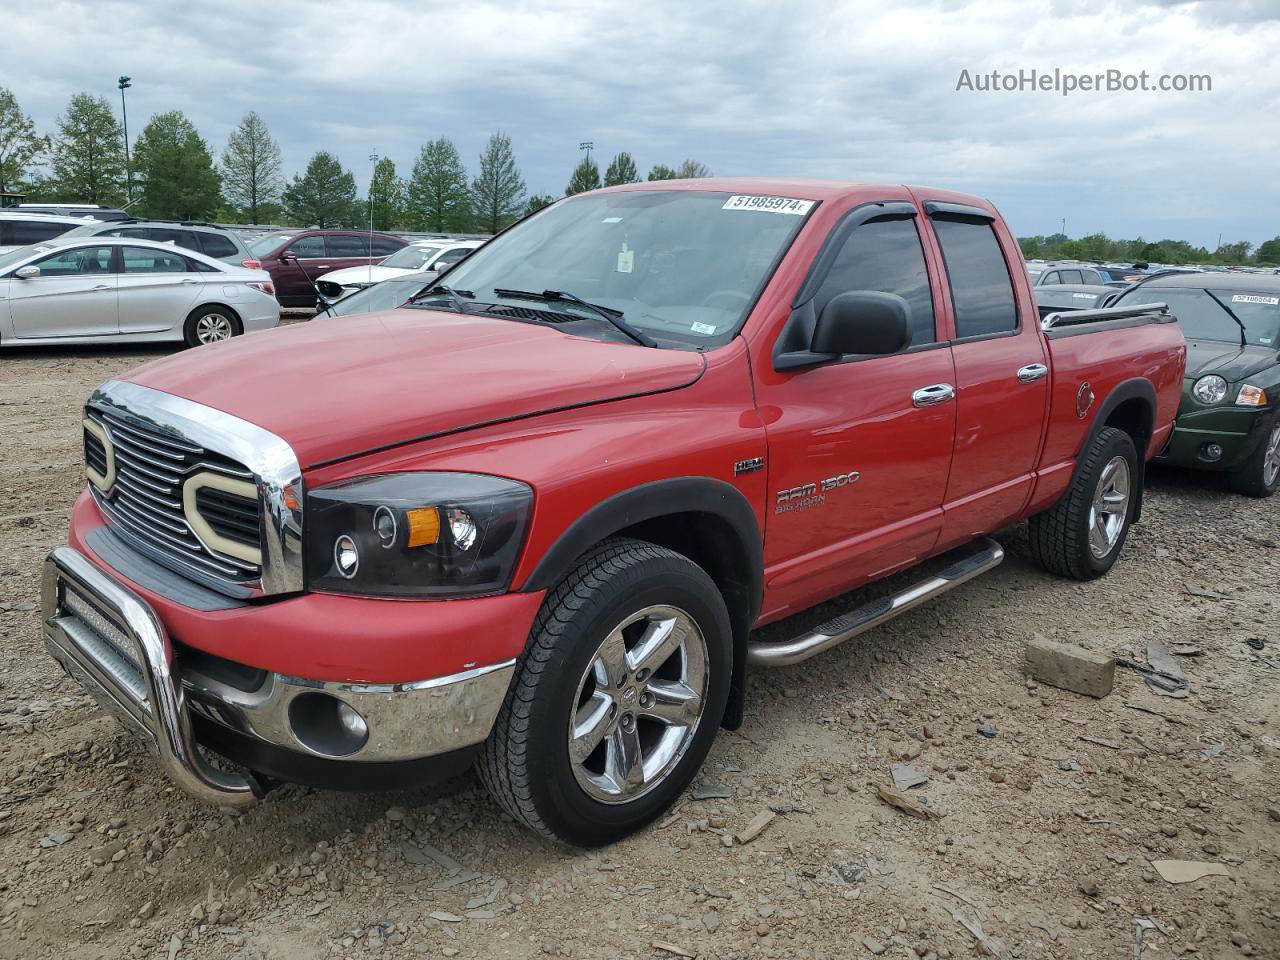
x=1227, y=360
x=337, y=387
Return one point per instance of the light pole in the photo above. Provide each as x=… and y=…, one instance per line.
x=124, y=83
x=586, y=145
x=373, y=158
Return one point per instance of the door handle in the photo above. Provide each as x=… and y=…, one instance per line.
x=191, y=280
x=322, y=266
x=1033, y=372
x=102, y=286
x=933, y=395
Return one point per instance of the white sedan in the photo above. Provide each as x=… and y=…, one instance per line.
x=418, y=256
x=119, y=290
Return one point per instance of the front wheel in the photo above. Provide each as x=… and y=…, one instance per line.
x=617, y=697
x=1260, y=474
x=209, y=325
x=1082, y=534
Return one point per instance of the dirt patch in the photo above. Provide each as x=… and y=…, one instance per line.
x=1044, y=847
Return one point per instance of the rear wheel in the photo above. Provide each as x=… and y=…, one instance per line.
x=1260, y=475
x=617, y=698
x=210, y=324
x=1082, y=534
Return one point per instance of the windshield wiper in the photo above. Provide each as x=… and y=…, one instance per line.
x=455, y=296
x=1244, y=333
x=613, y=317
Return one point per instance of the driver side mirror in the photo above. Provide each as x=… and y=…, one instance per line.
x=27, y=272
x=863, y=322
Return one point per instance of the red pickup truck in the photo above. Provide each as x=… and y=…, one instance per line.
x=533, y=516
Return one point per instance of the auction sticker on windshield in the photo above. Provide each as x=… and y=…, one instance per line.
x=768, y=204
x=1242, y=298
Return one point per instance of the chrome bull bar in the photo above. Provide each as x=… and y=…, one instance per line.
x=109, y=639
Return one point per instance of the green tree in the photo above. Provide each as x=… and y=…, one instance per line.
x=498, y=190
x=251, y=179
x=175, y=171
x=586, y=176
x=1269, y=251
x=621, y=169
x=537, y=202
x=387, y=195
x=20, y=145
x=438, y=197
x=660, y=171
x=692, y=170
x=324, y=195
x=88, y=154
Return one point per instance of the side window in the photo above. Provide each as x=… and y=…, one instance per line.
x=75, y=262
x=308, y=248
x=885, y=256
x=216, y=245
x=1072, y=276
x=383, y=246
x=179, y=238
x=147, y=260
x=981, y=288
x=347, y=245
x=451, y=256
x=1051, y=277
x=19, y=233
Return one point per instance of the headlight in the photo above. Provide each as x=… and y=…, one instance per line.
x=415, y=534
x=1210, y=389
x=1251, y=396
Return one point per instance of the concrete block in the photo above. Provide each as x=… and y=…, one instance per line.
x=1070, y=668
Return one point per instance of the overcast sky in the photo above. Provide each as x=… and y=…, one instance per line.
x=859, y=89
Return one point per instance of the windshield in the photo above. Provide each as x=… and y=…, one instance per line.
x=411, y=257
x=268, y=242
x=381, y=296
x=679, y=265
x=1202, y=317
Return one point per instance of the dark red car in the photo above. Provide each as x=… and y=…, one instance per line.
x=296, y=258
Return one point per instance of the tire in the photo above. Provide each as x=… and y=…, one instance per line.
x=564, y=673
x=1260, y=474
x=1065, y=538
x=204, y=322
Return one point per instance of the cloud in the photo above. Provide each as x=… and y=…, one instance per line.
x=851, y=90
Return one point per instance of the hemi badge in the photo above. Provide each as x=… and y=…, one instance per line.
x=743, y=467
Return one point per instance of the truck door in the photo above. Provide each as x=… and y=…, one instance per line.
x=858, y=449
x=1001, y=370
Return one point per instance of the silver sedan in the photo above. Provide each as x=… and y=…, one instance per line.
x=118, y=290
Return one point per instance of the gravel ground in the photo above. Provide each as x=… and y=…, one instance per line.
x=1044, y=846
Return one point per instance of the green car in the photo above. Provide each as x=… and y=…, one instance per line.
x=1228, y=418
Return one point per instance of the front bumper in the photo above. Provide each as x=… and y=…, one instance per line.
x=1237, y=430
x=109, y=638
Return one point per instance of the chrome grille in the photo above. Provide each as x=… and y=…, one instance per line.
x=145, y=502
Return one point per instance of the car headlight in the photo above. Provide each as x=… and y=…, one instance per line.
x=1210, y=389
x=1251, y=396
x=415, y=534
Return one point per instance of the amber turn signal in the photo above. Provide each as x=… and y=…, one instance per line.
x=424, y=526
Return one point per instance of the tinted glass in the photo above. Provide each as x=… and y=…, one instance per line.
x=1202, y=317
x=1072, y=276
x=347, y=245
x=981, y=288
x=384, y=246
x=18, y=233
x=179, y=238
x=75, y=262
x=217, y=245
x=146, y=260
x=884, y=256
x=308, y=248
x=380, y=296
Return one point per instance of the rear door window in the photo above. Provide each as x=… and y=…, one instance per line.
x=383, y=246
x=180, y=238
x=148, y=260
x=885, y=256
x=19, y=233
x=981, y=288
x=217, y=245
x=347, y=245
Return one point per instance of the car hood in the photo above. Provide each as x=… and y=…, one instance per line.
x=337, y=387
x=1227, y=360
x=362, y=274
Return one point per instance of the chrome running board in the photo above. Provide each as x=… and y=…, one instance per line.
x=986, y=555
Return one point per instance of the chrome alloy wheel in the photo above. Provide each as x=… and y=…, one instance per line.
x=1110, y=507
x=213, y=327
x=1271, y=458
x=638, y=704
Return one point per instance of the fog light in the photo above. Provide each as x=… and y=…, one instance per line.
x=1212, y=451
x=345, y=556
x=352, y=722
